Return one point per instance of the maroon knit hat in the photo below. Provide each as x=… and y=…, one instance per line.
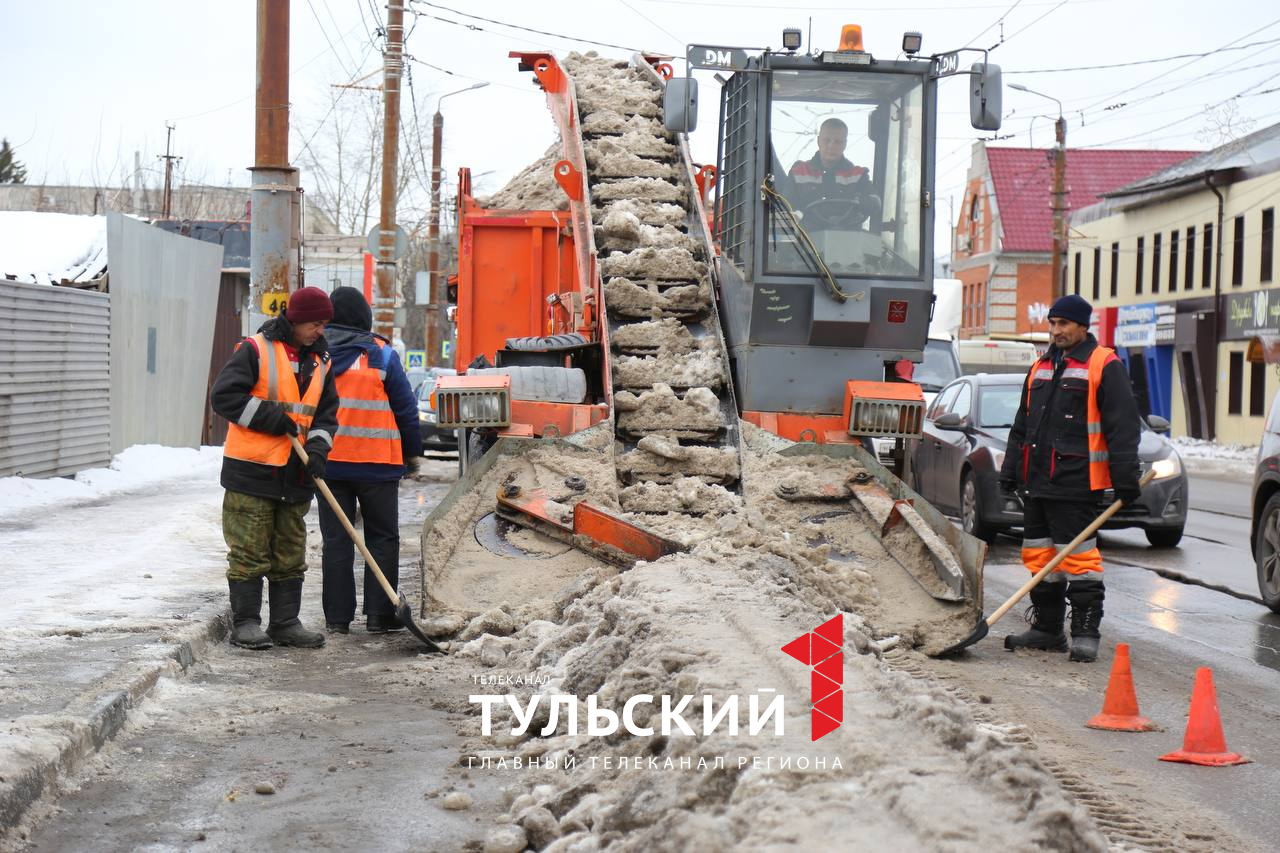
x=309, y=305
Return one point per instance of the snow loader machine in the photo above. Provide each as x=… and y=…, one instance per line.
x=652, y=352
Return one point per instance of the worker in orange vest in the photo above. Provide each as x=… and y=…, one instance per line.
x=276, y=384
x=1075, y=436
x=378, y=441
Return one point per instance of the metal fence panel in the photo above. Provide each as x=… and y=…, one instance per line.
x=164, y=295
x=55, y=380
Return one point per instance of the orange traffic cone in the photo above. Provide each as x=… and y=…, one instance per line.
x=1120, y=704
x=1204, y=742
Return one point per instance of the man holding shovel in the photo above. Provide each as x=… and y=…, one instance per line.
x=277, y=384
x=378, y=441
x=1075, y=435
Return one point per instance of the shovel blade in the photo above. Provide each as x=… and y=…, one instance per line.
x=978, y=633
x=405, y=614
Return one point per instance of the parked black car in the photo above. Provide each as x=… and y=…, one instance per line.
x=958, y=461
x=1265, y=532
x=434, y=439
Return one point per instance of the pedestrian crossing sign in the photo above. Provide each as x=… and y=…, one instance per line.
x=415, y=358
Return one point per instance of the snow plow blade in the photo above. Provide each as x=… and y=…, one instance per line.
x=586, y=527
x=927, y=572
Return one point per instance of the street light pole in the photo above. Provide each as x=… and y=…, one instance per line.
x=435, y=309
x=1058, y=262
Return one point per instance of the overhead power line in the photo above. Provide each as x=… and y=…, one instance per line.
x=1148, y=61
x=510, y=26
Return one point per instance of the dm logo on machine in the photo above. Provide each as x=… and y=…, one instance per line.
x=823, y=649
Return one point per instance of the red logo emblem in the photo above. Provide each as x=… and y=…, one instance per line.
x=823, y=649
x=898, y=310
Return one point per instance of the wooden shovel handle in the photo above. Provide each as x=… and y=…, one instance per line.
x=1063, y=552
x=346, y=522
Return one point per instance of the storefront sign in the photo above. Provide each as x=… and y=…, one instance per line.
x=1146, y=324
x=1245, y=315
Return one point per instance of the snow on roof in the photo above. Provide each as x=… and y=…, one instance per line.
x=1257, y=149
x=1023, y=179
x=49, y=248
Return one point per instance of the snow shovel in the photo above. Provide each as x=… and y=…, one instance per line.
x=403, y=611
x=984, y=625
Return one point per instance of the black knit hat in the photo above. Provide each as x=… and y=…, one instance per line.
x=350, y=309
x=308, y=305
x=1072, y=307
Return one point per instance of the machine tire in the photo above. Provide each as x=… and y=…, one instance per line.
x=544, y=344
x=542, y=383
x=1164, y=537
x=478, y=445
x=971, y=509
x=1266, y=554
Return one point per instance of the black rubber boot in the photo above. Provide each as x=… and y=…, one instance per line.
x=246, y=615
x=1086, y=615
x=1048, y=610
x=285, y=629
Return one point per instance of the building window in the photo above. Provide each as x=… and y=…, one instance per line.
x=1206, y=258
x=1141, y=266
x=1115, y=270
x=1173, y=260
x=1257, y=389
x=1155, y=263
x=1190, y=270
x=1097, y=273
x=1077, y=274
x=981, y=319
x=1235, y=383
x=1237, y=252
x=1268, y=239
x=975, y=212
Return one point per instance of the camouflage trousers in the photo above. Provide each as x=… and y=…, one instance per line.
x=265, y=537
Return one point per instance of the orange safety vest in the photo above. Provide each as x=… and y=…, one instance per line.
x=278, y=383
x=367, y=429
x=1099, y=456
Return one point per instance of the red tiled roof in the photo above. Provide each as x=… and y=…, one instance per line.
x=1023, y=179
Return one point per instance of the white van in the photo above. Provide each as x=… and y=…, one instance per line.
x=996, y=356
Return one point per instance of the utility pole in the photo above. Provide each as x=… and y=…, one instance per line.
x=1059, y=209
x=274, y=221
x=392, y=68
x=433, y=236
x=166, y=205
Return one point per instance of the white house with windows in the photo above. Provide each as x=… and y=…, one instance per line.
x=1182, y=265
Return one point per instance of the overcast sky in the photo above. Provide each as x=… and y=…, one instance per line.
x=87, y=83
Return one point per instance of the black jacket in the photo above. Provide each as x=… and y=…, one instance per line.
x=1048, y=451
x=229, y=396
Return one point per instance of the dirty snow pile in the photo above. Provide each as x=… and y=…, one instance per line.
x=1212, y=458
x=46, y=248
x=534, y=188
x=137, y=466
x=909, y=768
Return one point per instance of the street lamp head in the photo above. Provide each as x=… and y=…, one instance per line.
x=1029, y=91
x=479, y=85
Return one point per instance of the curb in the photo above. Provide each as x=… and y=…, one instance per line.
x=96, y=717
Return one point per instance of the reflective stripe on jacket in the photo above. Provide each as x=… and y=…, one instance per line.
x=278, y=383
x=811, y=172
x=1086, y=376
x=367, y=429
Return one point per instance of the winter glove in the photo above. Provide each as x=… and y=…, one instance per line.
x=317, y=455
x=1128, y=494
x=1008, y=484
x=278, y=422
x=411, y=465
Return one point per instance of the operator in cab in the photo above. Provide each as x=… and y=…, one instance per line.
x=829, y=189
